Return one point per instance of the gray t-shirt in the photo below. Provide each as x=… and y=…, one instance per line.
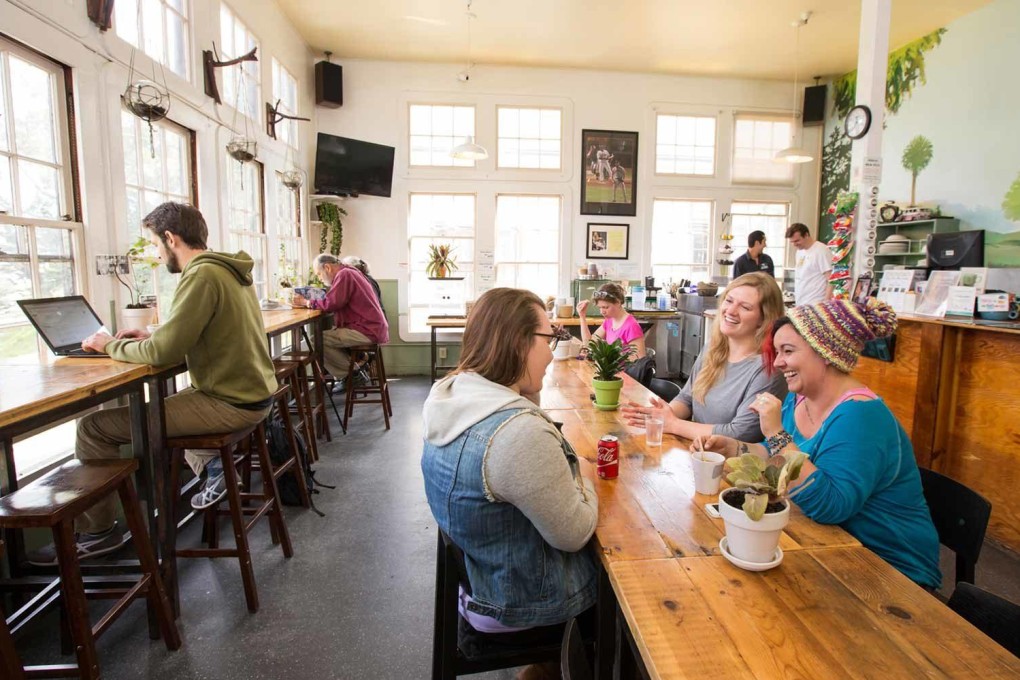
x=727, y=403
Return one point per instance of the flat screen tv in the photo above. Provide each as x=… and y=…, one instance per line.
x=349, y=167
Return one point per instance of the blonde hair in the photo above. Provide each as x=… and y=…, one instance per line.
x=770, y=302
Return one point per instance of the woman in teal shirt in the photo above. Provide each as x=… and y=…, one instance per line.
x=860, y=472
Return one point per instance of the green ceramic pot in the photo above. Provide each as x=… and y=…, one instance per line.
x=607, y=393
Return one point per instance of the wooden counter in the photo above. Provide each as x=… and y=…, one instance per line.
x=955, y=387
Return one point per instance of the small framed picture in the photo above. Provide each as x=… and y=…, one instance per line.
x=609, y=172
x=607, y=241
x=862, y=289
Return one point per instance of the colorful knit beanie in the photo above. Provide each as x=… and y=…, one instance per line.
x=838, y=329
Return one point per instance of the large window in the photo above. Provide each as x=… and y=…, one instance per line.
x=235, y=41
x=289, y=262
x=285, y=90
x=528, y=243
x=680, y=239
x=40, y=243
x=439, y=219
x=157, y=168
x=158, y=27
x=246, y=210
x=771, y=218
x=529, y=138
x=435, y=129
x=684, y=145
x=757, y=140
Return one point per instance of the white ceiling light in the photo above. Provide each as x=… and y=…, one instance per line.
x=794, y=153
x=469, y=151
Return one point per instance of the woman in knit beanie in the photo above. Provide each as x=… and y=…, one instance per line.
x=860, y=472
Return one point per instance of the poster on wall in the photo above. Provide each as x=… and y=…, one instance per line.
x=607, y=241
x=609, y=172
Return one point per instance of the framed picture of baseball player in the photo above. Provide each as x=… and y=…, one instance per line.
x=609, y=172
x=607, y=241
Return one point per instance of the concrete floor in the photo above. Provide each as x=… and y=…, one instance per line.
x=356, y=599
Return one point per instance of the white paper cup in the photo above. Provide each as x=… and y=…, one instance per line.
x=653, y=429
x=708, y=469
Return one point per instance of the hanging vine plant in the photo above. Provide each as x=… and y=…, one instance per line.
x=332, y=234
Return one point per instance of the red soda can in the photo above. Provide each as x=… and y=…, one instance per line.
x=609, y=457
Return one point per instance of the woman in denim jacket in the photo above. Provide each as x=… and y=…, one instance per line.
x=503, y=483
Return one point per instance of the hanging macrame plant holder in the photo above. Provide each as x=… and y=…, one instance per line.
x=147, y=99
x=242, y=148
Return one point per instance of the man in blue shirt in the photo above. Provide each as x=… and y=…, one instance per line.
x=755, y=259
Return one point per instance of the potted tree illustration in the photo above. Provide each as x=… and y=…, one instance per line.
x=1011, y=203
x=609, y=359
x=916, y=157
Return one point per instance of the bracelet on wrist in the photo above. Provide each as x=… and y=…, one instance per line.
x=777, y=442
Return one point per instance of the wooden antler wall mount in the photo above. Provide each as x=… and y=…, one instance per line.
x=211, y=62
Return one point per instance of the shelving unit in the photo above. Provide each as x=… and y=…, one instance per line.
x=917, y=233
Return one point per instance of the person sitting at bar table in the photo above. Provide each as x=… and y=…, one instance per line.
x=504, y=484
x=860, y=472
x=215, y=326
x=362, y=266
x=730, y=372
x=618, y=323
x=356, y=311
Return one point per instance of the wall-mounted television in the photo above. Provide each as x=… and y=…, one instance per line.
x=349, y=167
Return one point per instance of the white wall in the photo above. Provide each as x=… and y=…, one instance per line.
x=61, y=30
x=376, y=99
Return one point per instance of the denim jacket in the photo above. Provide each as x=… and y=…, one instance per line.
x=515, y=577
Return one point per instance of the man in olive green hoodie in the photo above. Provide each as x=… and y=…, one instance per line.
x=215, y=325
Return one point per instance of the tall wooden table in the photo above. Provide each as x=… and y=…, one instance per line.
x=831, y=609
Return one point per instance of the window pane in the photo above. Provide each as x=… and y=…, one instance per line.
x=17, y=342
x=685, y=145
x=13, y=240
x=176, y=43
x=56, y=279
x=34, y=118
x=15, y=284
x=53, y=242
x=6, y=190
x=40, y=190
x=152, y=29
x=125, y=20
x=680, y=231
x=128, y=135
x=758, y=140
x=134, y=215
x=176, y=152
x=152, y=164
x=3, y=110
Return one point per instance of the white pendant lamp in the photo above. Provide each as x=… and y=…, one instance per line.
x=469, y=151
x=794, y=153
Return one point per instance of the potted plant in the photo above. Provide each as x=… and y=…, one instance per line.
x=755, y=509
x=332, y=234
x=562, y=350
x=286, y=277
x=609, y=359
x=138, y=315
x=441, y=261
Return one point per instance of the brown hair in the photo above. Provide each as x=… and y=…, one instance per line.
x=611, y=292
x=797, y=228
x=181, y=220
x=499, y=333
x=770, y=301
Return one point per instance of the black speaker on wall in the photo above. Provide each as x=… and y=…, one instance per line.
x=329, y=85
x=814, y=105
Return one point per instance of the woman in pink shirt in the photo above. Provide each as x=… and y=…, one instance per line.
x=619, y=325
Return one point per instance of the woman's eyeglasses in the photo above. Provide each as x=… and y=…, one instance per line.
x=554, y=339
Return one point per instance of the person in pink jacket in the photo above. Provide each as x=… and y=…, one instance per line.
x=619, y=324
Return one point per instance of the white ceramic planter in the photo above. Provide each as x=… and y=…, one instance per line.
x=562, y=350
x=137, y=319
x=749, y=540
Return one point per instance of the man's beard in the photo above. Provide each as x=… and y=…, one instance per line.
x=172, y=264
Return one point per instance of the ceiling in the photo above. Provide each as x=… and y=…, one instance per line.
x=727, y=38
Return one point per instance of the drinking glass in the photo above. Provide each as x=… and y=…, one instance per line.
x=653, y=429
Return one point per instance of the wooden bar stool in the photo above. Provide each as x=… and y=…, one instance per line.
x=377, y=383
x=53, y=501
x=292, y=372
x=285, y=372
x=317, y=394
x=268, y=503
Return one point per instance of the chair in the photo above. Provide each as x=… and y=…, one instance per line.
x=664, y=389
x=960, y=516
x=53, y=501
x=449, y=660
x=996, y=617
x=377, y=383
x=315, y=393
x=285, y=372
x=573, y=659
x=268, y=503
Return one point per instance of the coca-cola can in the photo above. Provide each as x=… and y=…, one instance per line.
x=609, y=457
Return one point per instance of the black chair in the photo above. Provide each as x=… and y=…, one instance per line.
x=996, y=617
x=664, y=389
x=573, y=658
x=960, y=516
x=449, y=659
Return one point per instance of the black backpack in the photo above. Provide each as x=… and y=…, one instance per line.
x=279, y=453
x=642, y=370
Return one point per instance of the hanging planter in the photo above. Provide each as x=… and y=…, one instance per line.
x=242, y=149
x=147, y=99
x=332, y=234
x=293, y=179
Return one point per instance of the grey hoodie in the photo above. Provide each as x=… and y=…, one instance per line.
x=524, y=464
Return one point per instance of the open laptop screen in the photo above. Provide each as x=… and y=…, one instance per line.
x=63, y=322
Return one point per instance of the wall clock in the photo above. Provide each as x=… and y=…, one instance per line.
x=857, y=122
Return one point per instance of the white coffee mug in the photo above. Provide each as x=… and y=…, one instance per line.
x=708, y=469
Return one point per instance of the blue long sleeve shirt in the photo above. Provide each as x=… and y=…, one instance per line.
x=867, y=482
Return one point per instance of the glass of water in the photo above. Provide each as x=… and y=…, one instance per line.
x=653, y=429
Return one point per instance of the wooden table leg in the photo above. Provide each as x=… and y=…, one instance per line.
x=9, y=484
x=146, y=475
x=433, y=353
x=162, y=491
x=605, y=634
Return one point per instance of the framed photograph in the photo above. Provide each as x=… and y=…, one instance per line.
x=862, y=289
x=609, y=172
x=607, y=241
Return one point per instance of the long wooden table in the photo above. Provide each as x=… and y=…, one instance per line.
x=831, y=609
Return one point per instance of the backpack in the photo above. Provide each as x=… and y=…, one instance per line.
x=279, y=453
x=642, y=370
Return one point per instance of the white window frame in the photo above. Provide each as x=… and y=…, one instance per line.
x=663, y=251
x=775, y=243
x=659, y=144
x=455, y=138
x=503, y=164
x=283, y=81
x=167, y=9
x=783, y=173
x=553, y=260
x=289, y=228
x=238, y=213
x=249, y=70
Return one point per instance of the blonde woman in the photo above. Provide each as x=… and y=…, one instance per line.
x=618, y=324
x=730, y=372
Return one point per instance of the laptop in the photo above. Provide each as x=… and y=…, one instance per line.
x=63, y=323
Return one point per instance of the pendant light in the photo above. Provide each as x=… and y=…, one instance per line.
x=469, y=151
x=794, y=153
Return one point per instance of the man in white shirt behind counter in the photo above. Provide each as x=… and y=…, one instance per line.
x=814, y=262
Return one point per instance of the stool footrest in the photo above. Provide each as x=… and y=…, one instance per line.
x=207, y=552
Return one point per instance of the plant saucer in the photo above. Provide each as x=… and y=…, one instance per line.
x=603, y=407
x=750, y=566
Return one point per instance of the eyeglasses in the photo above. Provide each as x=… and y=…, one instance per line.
x=603, y=295
x=554, y=339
